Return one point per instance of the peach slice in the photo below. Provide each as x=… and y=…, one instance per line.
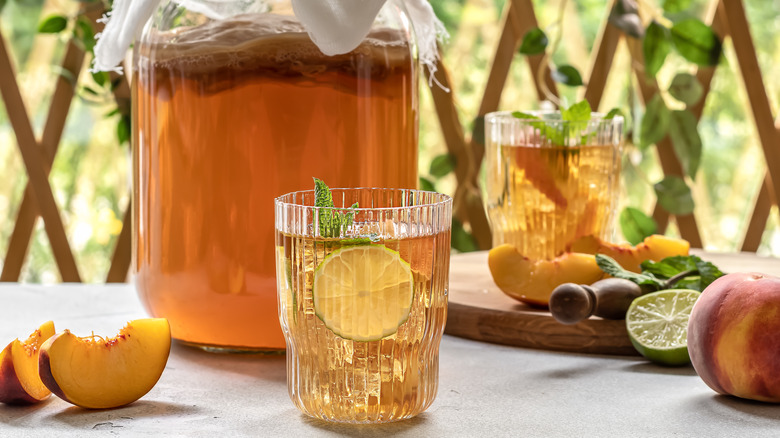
x=98, y=373
x=656, y=247
x=19, y=380
x=532, y=281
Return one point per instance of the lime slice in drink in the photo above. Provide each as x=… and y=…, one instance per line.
x=363, y=293
x=657, y=325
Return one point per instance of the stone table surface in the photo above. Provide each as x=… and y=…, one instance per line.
x=485, y=390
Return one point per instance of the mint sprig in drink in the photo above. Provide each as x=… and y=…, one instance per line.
x=364, y=304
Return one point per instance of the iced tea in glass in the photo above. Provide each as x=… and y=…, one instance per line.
x=551, y=181
x=363, y=303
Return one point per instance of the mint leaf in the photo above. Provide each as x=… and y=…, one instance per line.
x=578, y=116
x=683, y=272
x=614, y=112
x=670, y=266
x=707, y=272
x=613, y=268
x=324, y=200
x=322, y=195
x=578, y=112
x=331, y=221
x=551, y=133
x=525, y=116
x=346, y=219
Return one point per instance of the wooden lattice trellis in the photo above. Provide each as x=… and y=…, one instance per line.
x=726, y=16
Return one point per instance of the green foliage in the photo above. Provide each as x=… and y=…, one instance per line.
x=611, y=114
x=686, y=141
x=534, y=42
x=696, y=42
x=655, y=47
x=332, y=222
x=636, y=226
x=567, y=75
x=700, y=273
x=688, y=272
x=427, y=185
x=442, y=165
x=686, y=88
x=84, y=34
x=53, y=24
x=478, y=133
x=460, y=239
x=578, y=112
x=655, y=123
x=101, y=78
x=674, y=195
x=123, y=129
x=675, y=6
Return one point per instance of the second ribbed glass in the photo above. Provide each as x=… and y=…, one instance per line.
x=551, y=181
x=363, y=300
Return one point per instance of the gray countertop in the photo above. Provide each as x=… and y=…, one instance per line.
x=484, y=390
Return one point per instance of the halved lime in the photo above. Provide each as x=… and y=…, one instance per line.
x=657, y=325
x=363, y=293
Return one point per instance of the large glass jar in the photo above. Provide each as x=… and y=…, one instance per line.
x=233, y=107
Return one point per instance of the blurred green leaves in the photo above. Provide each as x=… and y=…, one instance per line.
x=686, y=88
x=655, y=47
x=567, y=75
x=635, y=225
x=696, y=42
x=686, y=141
x=534, y=42
x=460, y=239
x=442, y=164
x=676, y=6
x=674, y=195
x=53, y=24
x=655, y=123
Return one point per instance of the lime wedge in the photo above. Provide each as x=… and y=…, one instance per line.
x=657, y=325
x=363, y=293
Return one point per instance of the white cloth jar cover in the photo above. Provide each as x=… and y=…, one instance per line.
x=335, y=26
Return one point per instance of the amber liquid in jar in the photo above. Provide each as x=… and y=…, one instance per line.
x=232, y=115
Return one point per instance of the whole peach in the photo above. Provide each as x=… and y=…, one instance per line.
x=734, y=336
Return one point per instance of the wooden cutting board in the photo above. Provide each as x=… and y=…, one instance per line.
x=479, y=310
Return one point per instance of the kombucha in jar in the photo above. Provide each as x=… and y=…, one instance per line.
x=231, y=113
